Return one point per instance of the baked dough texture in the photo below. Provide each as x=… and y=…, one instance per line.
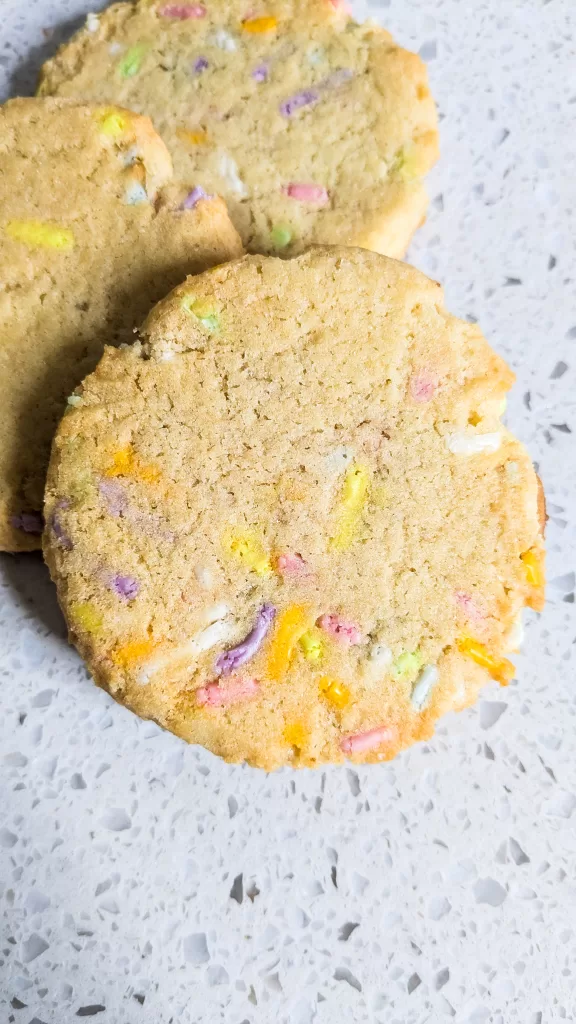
x=93, y=231
x=288, y=523
x=314, y=129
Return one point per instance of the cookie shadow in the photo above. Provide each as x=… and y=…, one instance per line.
x=28, y=578
x=24, y=81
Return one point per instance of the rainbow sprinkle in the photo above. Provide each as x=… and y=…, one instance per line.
x=257, y=26
x=132, y=61
x=291, y=626
x=354, y=494
x=500, y=669
x=39, y=234
x=245, y=546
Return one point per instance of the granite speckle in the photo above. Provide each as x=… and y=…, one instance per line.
x=141, y=880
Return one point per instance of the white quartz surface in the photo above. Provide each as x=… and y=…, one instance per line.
x=144, y=882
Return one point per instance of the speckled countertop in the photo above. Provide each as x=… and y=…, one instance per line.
x=144, y=881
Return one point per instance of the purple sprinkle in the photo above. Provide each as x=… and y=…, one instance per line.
x=28, y=522
x=125, y=586
x=56, y=526
x=194, y=197
x=115, y=497
x=200, y=64
x=230, y=660
x=301, y=99
x=260, y=74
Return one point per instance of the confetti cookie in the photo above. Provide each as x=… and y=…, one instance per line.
x=288, y=523
x=93, y=231
x=313, y=128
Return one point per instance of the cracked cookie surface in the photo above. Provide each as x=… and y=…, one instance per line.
x=314, y=129
x=288, y=524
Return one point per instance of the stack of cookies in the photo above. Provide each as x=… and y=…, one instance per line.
x=274, y=491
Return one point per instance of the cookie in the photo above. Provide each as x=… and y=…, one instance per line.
x=94, y=231
x=288, y=523
x=313, y=128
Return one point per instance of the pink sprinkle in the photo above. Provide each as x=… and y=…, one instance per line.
x=340, y=5
x=292, y=565
x=346, y=633
x=361, y=741
x=182, y=12
x=306, y=193
x=423, y=386
x=237, y=689
x=469, y=606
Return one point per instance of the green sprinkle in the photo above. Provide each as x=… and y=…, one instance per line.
x=74, y=401
x=407, y=664
x=132, y=60
x=281, y=236
x=201, y=310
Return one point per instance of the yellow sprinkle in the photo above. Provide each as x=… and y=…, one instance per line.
x=204, y=312
x=40, y=234
x=335, y=691
x=197, y=138
x=295, y=735
x=499, y=668
x=534, y=572
x=125, y=462
x=133, y=652
x=354, y=493
x=312, y=645
x=409, y=162
x=290, y=627
x=86, y=616
x=259, y=25
x=247, y=548
x=112, y=122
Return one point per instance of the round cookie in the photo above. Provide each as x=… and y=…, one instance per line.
x=288, y=523
x=314, y=129
x=93, y=232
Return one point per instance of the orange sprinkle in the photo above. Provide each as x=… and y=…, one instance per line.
x=133, y=652
x=534, y=571
x=292, y=623
x=500, y=669
x=195, y=138
x=125, y=462
x=335, y=691
x=259, y=25
x=295, y=735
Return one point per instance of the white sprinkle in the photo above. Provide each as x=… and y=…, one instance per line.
x=130, y=157
x=74, y=401
x=115, y=48
x=166, y=355
x=215, y=612
x=316, y=55
x=473, y=444
x=214, y=634
x=339, y=459
x=228, y=168
x=423, y=685
x=136, y=194
x=502, y=404
x=379, y=659
x=515, y=635
x=92, y=22
x=512, y=469
x=220, y=37
x=204, y=576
